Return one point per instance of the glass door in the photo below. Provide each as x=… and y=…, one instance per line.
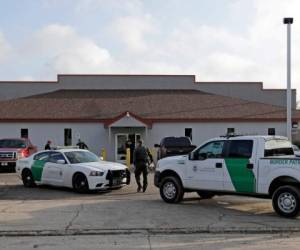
x=121, y=140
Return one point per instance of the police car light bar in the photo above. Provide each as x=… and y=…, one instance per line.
x=65, y=147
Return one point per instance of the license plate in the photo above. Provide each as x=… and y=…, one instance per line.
x=116, y=182
x=4, y=163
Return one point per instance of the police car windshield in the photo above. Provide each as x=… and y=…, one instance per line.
x=12, y=143
x=81, y=157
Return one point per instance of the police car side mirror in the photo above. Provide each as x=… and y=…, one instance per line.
x=61, y=162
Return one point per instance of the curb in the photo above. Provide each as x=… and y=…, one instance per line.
x=148, y=231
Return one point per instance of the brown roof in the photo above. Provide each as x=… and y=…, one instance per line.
x=154, y=105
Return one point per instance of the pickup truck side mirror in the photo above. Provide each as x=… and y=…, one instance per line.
x=156, y=145
x=202, y=156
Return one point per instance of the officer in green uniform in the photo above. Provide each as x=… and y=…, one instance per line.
x=141, y=158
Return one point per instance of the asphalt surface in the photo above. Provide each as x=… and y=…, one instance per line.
x=58, y=218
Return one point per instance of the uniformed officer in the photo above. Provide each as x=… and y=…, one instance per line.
x=48, y=145
x=81, y=144
x=141, y=158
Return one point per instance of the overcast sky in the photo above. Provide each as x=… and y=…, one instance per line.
x=221, y=40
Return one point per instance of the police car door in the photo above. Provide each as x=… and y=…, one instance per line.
x=206, y=166
x=54, y=169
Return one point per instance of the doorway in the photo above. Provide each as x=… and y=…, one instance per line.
x=122, y=142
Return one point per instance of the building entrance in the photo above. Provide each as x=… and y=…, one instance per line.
x=122, y=142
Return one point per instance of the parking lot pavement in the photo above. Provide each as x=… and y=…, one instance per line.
x=57, y=211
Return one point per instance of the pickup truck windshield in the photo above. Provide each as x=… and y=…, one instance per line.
x=11, y=143
x=278, y=147
x=81, y=157
x=176, y=142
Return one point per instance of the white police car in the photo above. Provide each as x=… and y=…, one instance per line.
x=74, y=168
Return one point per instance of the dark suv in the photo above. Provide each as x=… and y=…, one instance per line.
x=12, y=149
x=171, y=146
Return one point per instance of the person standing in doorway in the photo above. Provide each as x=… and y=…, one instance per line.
x=141, y=158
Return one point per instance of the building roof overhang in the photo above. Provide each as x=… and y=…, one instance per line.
x=127, y=119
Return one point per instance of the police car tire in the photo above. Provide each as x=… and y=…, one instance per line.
x=80, y=183
x=171, y=190
x=205, y=194
x=27, y=178
x=293, y=197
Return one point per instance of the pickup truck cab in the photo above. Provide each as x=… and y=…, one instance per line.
x=259, y=166
x=13, y=149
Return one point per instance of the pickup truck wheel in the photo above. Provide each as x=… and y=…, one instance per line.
x=171, y=190
x=286, y=201
x=27, y=178
x=205, y=195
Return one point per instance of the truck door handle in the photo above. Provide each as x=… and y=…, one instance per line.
x=250, y=166
x=218, y=165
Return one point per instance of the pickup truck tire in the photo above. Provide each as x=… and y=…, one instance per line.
x=171, y=190
x=27, y=178
x=205, y=194
x=286, y=201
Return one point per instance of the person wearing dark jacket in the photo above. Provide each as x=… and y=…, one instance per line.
x=48, y=145
x=141, y=158
x=82, y=145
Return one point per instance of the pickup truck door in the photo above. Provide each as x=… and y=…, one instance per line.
x=205, y=170
x=240, y=166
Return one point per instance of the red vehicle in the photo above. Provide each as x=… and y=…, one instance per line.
x=13, y=149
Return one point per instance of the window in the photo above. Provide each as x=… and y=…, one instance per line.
x=210, y=150
x=55, y=156
x=230, y=130
x=12, y=143
x=240, y=149
x=278, y=147
x=68, y=136
x=271, y=131
x=188, y=132
x=24, y=132
x=175, y=142
x=42, y=156
x=295, y=125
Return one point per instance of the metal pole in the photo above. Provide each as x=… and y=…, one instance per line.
x=288, y=21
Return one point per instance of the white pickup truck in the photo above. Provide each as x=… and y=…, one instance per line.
x=259, y=166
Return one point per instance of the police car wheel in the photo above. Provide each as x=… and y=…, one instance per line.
x=205, y=194
x=80, y=183
x=171, y=190
x=27, y=178
x=286, y=201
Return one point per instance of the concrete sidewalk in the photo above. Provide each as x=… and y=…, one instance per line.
x=166, y=242
x=52, y=211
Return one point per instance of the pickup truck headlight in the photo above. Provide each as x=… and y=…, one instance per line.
x=96, y=173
